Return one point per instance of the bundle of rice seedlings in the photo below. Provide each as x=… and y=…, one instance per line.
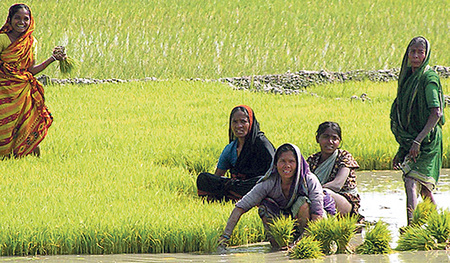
x=422, y=212
x=334, y=230
x=282, y=228
x=306, y=248
x=416, y=238
x=67, y=65
x=438, y=225
x=376, y=240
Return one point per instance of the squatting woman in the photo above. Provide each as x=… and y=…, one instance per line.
x=289, y=189
x=335, y=169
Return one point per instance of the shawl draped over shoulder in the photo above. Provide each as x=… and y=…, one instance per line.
x=24, y=118
x=409, y=115
x=257, y=153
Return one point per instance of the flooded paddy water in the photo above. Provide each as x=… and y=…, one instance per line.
x=382, y=195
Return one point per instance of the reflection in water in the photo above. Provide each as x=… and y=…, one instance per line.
x=382, y=197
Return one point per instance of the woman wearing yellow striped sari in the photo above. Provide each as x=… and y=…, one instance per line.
x=24, y=118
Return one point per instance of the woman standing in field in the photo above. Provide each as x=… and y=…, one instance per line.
x=416, y=119
x=247, y=156
x=287, y=189
x=335, y=169
x=24, y=118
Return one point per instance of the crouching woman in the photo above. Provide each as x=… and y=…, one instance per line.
x=289, y=189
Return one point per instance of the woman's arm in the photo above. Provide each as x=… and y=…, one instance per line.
x=232, y=221
x=433, y=119
x=35, y=69
x=338, y=182
x=220, y=172
x=315, y=195
x=57, y=55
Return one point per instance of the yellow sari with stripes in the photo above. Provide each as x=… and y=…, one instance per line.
x=24, y=118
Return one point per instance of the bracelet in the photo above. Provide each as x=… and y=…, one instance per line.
x=416, y=142
x=227, y=237
x=54, y=59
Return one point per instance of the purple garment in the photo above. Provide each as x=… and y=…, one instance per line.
x=305, y=184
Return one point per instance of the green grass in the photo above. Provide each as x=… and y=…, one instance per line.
x=212, y=39
x=118, y=167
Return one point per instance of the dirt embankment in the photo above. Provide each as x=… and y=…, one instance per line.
x=287, y=83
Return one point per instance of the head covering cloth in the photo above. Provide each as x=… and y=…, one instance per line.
x=409, y=115
x=24, y=118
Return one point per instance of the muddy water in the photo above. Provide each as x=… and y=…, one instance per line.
x=382, y=197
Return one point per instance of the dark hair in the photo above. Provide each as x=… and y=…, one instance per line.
x=328, y=124
x=418, y=40
x=15, y=8
x=282, y=149
x=239, y=108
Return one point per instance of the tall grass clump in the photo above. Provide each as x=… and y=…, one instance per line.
x=376, y=240
x=306, y=248
x=334, y=230
x=422, y=212
x=438, y=225
x=282, y=228
x=416, y=238
x=434, y=234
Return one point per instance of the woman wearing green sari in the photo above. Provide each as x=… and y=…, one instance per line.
x=416, y=119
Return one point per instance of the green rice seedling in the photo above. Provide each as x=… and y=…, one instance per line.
x=423, y=210
x=333, y=230
x=306, y=248
x=68, y=65
x=282, y=228
x=438, y=225
x=376, y=240
x=416, y=238
x=106, y=189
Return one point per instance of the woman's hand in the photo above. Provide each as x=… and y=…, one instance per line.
x=396, y=163
x=59, y=53
x=223, y=241
x=414, y=150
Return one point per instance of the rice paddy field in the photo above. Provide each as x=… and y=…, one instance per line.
x=211, y=39
x=118, y=167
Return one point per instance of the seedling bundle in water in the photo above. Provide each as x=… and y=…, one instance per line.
x=307, y=247
x=282, y=229
x=333, y=230
x=376, y=240
x=430, y=229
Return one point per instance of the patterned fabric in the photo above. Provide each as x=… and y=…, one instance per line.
x=24, y=119
x=417, y=93
x=348, y=190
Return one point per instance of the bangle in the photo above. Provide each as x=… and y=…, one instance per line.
x=54, y=59
x=416, y=142
x=227, y=237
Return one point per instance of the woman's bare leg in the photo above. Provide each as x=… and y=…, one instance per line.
x=343, y=206
x=427, y=194
x=303, y=217
x=411, y=197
